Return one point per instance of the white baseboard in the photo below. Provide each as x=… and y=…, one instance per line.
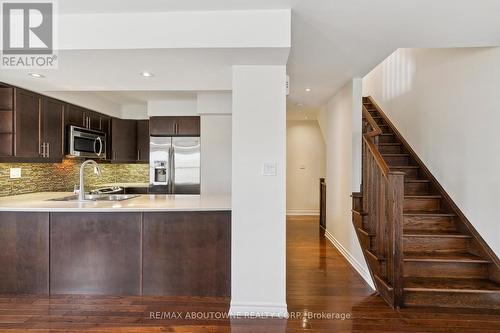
x=297, y=212
x=354, y=263
x=262, y=310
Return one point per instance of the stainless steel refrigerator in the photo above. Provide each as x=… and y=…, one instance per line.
x=174, y=164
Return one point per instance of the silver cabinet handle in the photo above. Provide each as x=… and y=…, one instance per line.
x=138, y=154
x=48, y=149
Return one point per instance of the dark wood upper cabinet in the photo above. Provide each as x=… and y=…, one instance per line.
x=188, y=126
x=28, y=141
x=175, y=126
x=38, y=133
x=105, y=124
x=74, y=116
x=78, y=116
x=93, y=120
x=6, y=121
x=162, y=126
x=123, y=140
x=143, y=141
x=52, y=129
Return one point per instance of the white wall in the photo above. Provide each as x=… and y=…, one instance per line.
x=216, y=154
x=139, y=111
x=445, y=103
x=173, y=107
x=339, y=120
x=214, y=102
x=258, y=254
x=305, y=164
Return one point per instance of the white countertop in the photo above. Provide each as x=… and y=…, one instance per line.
x=123, y=185
x=38, y=202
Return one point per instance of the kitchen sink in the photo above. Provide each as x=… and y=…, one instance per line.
x=98, y=197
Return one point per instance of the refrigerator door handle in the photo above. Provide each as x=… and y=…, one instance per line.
x=172, y=169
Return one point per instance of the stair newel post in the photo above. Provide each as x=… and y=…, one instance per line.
x=396, y=200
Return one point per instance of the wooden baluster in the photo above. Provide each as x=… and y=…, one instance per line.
x=373, y=195
x=364, y=181
x=396, y=198
x=381, y=233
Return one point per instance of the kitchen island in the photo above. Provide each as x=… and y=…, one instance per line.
x=175, y=245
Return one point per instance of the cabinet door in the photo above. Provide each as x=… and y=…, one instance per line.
x=24, y=253
x=123, y=140
x=74, y=116
x=28, y=143
x=93, y=120
x=105, y=123
x=188, y=126
x=95, y=253
x=143, y=140
x=181, y=247
x=52, y=128
x=162, y=126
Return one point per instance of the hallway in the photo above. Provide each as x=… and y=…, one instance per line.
x=319, y=281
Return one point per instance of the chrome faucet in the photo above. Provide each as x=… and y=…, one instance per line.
x=97, y=171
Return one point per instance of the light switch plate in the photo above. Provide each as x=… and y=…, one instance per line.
x=15, y=173
x=269, y=169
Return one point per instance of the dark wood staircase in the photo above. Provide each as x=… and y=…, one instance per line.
x=420, y=248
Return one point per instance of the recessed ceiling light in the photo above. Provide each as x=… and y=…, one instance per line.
x=38, y=76
x=308, y=89
x=300, y=105
x=147, y=74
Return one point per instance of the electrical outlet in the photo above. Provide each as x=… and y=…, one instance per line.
x=15, y=173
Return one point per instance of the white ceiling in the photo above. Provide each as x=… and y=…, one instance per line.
x=335, y=40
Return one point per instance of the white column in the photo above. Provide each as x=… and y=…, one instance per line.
x=258, y=281
x=357, y=133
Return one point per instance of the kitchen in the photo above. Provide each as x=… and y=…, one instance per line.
x=112, y=206
x=171, y=74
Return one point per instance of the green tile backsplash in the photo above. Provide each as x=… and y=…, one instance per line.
x=44, y=177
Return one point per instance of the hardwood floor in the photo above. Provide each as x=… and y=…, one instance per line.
x=319, y=280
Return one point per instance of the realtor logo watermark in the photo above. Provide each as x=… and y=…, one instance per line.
x=28, y=34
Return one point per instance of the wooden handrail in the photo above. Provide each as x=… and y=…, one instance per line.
x=376, y=129
x=369, y=139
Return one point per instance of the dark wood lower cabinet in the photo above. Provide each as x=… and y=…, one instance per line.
x=95, y=253
x=187, y=254
x=24, y=253
x=160, y=253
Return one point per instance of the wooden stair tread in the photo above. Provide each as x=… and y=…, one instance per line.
x=404, y=166
x=374, y=255
x=395, y=154
x=423, y=196
x=390, y=144
x=444, y=257
x=434, y=233
x=430, y=214
x=450, y=285
x=365, y=232
x=413, y=180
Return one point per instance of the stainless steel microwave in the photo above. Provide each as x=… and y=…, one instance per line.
x=83, y=142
